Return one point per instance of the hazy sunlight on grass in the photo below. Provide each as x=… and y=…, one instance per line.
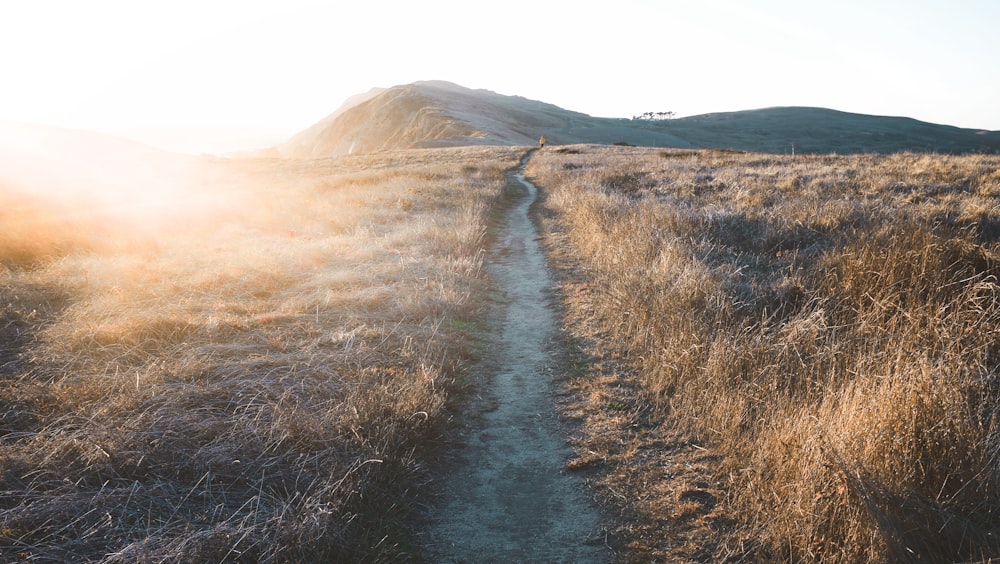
x=243, y=373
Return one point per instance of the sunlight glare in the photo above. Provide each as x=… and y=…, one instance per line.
x=90, y=178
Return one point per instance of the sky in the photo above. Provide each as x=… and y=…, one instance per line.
x=248, y=73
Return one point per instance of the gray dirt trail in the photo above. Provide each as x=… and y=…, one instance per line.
x=507, y=497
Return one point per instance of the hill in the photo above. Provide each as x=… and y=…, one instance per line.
x=821, y=130
x=439, y=114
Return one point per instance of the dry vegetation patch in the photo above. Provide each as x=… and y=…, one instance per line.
x=826, y=326
x=255, y=382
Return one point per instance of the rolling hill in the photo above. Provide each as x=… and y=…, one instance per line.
x=441, y=114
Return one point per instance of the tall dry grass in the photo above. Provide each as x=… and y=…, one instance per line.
x=257, y=380
x=830, y=324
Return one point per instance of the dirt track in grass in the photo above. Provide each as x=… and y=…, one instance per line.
x=507, y=495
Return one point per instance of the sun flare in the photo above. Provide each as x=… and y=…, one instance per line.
x=71, y=188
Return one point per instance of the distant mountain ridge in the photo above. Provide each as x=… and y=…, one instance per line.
x=442, y=114
x=822, y=130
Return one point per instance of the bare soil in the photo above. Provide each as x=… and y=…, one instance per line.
x=507, y=495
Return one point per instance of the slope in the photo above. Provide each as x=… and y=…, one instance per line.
x=821, y=130
x=437, y=114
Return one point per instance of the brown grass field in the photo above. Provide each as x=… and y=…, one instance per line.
x=253, y=373
x=784, y=358
x=776, y=358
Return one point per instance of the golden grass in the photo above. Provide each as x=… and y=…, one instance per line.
x=828, y=325
x=257, y=381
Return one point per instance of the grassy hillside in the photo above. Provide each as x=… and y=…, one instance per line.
x=441, y=114
x=821, y=331
x=254, y=377
x=819, y=130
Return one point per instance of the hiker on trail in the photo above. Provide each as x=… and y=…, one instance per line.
x=541, y=142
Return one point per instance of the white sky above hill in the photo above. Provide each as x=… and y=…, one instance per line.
x=244, y=72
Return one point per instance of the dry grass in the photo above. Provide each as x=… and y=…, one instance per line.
x=827, y=325
x=255, y=380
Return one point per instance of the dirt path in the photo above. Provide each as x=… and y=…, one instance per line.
x=508, y=497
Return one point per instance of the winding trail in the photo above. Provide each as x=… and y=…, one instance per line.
x=507, y=497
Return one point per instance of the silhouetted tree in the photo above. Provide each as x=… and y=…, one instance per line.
x=655, y=115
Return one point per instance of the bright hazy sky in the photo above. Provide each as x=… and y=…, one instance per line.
x=283, y=65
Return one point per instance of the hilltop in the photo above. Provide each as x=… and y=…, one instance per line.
x=442, y=114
